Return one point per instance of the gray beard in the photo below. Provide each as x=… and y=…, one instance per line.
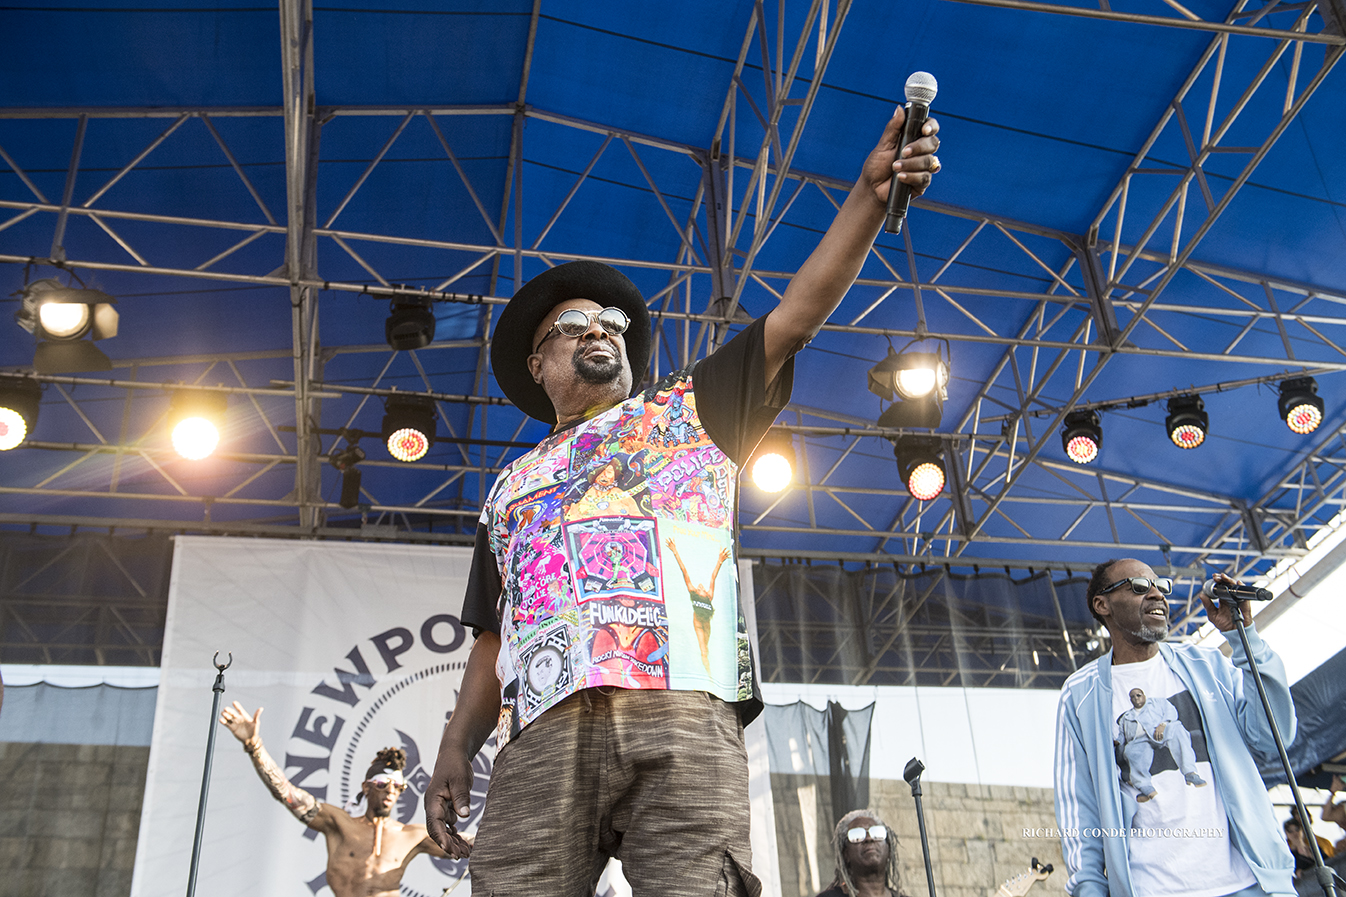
x=1149, y=636
x=595, y=371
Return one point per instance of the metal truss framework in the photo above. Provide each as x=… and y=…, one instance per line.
x=87, y=599
x=1087, y=300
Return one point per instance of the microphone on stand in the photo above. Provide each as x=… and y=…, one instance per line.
x=1218, y=590
x=920, y=88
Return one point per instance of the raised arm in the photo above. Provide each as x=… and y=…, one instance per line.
x=304, y=806
x=1332, y=811
x=819, y=285
x=1248, y=711
x=683, y=567
x=715, y=574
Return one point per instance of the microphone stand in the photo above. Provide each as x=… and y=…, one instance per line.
x=1323, y=874
x=913, y=776
x=218, y=689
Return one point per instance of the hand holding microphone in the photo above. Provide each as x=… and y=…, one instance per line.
x=920, y=90
x=1218, y=595
x=1224, y=587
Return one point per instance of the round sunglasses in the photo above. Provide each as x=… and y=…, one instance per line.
x=573, y=323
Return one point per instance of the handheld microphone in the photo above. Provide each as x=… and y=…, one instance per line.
x=920, y=89
x=1213, y=589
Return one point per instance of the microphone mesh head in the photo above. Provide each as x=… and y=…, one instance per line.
x=921, y=88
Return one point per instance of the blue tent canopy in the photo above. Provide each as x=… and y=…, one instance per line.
x=1133, y=204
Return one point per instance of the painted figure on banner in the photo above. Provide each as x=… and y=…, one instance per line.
x=612, y=651
x=368, y=854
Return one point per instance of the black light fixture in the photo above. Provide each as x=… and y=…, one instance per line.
x=411, y=325
x=1187, y=421
x=917, y=383
x=919, y=465
x=408, y=426
x=19, y=401
x=61, y=317
x=773, y=462
x=1082, y=436
x=1299, y=405
x=194, y=420
x=345, y=461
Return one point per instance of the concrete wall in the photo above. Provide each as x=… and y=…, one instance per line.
x=976, y=837
x=69, y=817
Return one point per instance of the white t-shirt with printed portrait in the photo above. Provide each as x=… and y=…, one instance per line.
x=1183, y=845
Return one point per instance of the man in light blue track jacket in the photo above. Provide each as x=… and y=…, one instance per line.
x=1208, y=832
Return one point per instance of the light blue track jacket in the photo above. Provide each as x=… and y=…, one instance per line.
x=1088, y=782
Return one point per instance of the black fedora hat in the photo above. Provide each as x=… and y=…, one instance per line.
x=513, y=340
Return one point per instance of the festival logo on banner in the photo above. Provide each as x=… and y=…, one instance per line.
x=377, y=696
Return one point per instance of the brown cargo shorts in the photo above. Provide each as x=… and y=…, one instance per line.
x=657, y=779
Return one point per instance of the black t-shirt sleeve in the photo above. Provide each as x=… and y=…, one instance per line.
x=732, y=397
x=482, y=599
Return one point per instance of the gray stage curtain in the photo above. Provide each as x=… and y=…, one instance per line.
x=823, y=623
x=96, y=714
x=819, y=763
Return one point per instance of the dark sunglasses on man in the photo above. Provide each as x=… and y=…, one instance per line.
x=573, y=323
x=1141, y=586
x=873, y=833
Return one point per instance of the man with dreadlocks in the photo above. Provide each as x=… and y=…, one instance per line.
x=366, y=855
x=866, y=858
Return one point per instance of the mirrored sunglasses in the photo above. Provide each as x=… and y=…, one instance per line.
x=873, y=833
x=573, y=323
x=1141, y=586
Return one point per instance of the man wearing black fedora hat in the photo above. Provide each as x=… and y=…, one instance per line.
x=617, y=696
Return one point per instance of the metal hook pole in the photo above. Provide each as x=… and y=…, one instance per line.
x=913, y=776
x=218, y=689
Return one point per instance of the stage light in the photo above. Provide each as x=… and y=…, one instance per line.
x=1082, y=436
x=773, y=462
x=194, y=419
x=409, y=426
x=411, y=324
x=918, y=373
x=919, y=465
x=917, y=383
x=1187, y=421
x=19, y=400
x=1299, y=405
x=61, y=317
x=345, y=461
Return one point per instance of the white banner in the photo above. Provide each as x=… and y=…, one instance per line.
x=350, y=647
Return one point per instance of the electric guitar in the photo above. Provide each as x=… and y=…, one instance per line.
x=1018, y=885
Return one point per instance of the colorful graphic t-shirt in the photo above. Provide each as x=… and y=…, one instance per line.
x=1179, y=838
x=605, y=555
